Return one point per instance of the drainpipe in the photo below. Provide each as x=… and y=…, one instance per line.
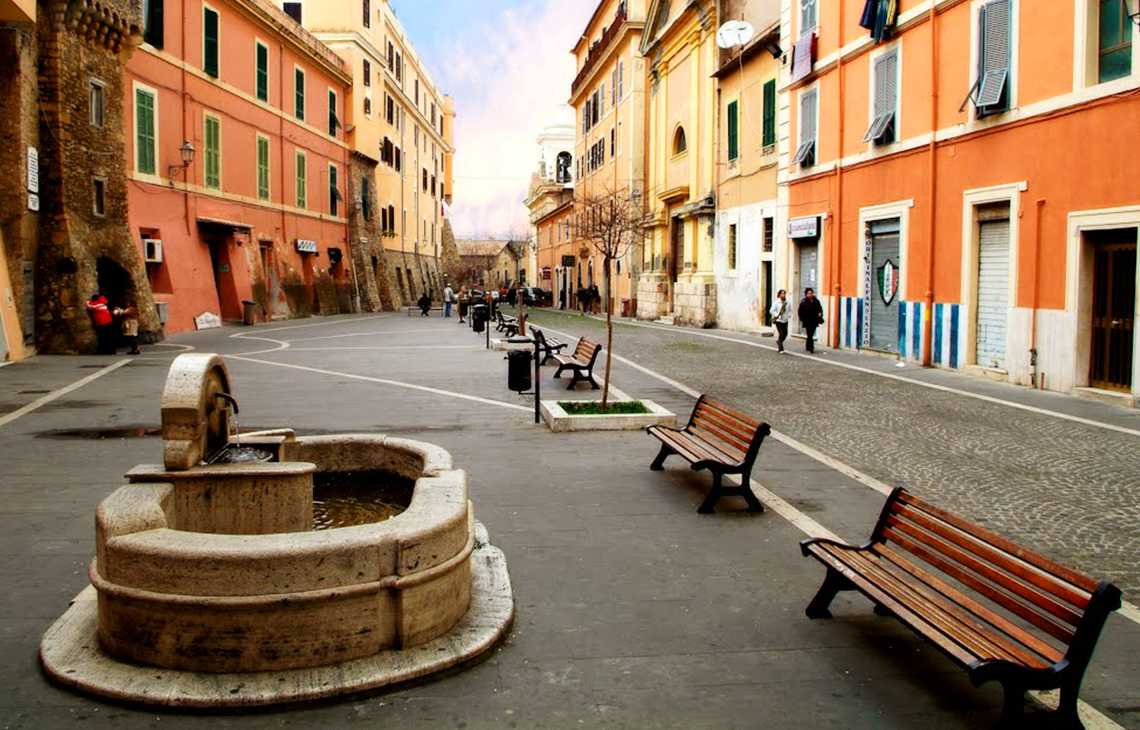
x=1037, y=380
x=837, y=226
x=931, y=227
x=185, y=111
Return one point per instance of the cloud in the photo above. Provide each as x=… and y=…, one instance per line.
x=507, y=73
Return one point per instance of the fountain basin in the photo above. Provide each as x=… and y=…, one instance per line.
x=175, y=596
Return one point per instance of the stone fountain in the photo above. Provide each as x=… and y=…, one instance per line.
x=210, y=587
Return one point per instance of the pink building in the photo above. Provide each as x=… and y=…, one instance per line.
x=257, y=210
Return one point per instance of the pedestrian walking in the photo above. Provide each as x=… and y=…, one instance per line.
x=448, y=293
x=129, y=326
x=562, y=298
x=583, y=299
x=462, y=303
x=811, y=316
x=781, y=312
x=104, y=323
x=595, y=298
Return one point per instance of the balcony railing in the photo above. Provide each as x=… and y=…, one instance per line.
x=599, y=48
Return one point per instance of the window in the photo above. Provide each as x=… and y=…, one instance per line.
x=210, y=41
x=769, y=234
x=882, y=129
x=334, y=121
x=399, y=67
x=433, y=186
x=613, y=88
x=613, y=141
x=732, y=247
x=680, y=144
x=299, y=93
x=602, y=100
x=585, y=117
x=99, y=196
x=302, y=180
x=367, y=71
x=152, y=23
x=262, y=168
x=391, y=112
x=769, y=113
x=398, y=161
x=392, y=218
x=368, y=106
x=334, y=190
x=293, y=10
x=145, y=143
x=391, y=57
x=806, y=153
x=621, y=79
x=365, y=201
x=383, y=220
x=417, y=86
x=367, y=14
x=213, y=152
x=262, y=71
x=618, y=148
x=433, y=114
x=808, y=13
x=733, y=132
x=95, y=102
x=1115, y=41
x=990, y=92
x=425, y=179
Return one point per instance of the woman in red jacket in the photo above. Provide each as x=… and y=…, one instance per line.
x=104, y=323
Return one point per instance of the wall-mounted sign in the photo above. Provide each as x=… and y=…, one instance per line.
x=803, y=227
x=567, y=262
x=33, y=201
x=33, y=170
x=306, y=246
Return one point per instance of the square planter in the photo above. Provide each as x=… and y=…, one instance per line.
x=559, y=420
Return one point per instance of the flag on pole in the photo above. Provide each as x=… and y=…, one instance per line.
x=445, y=210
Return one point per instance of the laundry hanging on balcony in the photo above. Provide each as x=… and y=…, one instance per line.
x=879, y=17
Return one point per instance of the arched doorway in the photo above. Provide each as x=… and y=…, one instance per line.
x=114, y=282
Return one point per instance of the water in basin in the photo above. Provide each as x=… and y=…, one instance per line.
x=345, y=499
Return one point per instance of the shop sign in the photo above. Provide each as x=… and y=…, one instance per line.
x=33, y=170
x=867, y=278
x=306, y=246
x=567, y=262
x=803, y=227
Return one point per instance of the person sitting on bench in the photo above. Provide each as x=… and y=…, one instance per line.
x=425, y=304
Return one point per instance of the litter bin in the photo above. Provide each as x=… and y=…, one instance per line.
x=518, y=370
x=625, y=307
x=479, y=318
x=249, y=313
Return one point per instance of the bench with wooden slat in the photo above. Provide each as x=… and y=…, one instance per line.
x=1000, y=611
x=720, y=439
x=581, y=363
x=547, y=347
x=506, y=324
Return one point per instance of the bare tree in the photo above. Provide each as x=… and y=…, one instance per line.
x=610, y=222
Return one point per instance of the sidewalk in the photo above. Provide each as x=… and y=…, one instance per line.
x=633, y=611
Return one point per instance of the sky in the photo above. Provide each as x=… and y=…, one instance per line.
x=507, y=64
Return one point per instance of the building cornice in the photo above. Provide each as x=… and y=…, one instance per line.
x=586, y=82
x=300, y=39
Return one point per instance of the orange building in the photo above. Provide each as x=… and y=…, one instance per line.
x=237, y=162
x=960, y=185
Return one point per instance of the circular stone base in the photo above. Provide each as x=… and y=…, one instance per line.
x=72, y=657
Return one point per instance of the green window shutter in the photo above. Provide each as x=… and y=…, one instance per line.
x=299, y=94
x=733, y=131
x=210, y=41
x=301, y=181
x=769, y=113
x=334, y=192
x=144, y=121
x=262, y=168
x=262, y=72
x=152, y=18
x=213, y=153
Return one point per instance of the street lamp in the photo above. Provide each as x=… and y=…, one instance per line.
x=187, y=152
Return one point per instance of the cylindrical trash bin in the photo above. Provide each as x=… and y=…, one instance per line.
x=479, y=317
x=249, y=313
x=518, y=370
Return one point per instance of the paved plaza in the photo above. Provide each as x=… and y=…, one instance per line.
x=632, y=611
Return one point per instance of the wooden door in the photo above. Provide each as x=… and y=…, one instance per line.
x=1113, y=313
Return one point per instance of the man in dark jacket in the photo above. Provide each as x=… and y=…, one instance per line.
x=811, y=316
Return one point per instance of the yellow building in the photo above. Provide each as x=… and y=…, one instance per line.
x=608, y=97
x=678, y=283
x=398, y=117
x=747, y=162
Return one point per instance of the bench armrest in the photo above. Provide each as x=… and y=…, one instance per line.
x=808, y=542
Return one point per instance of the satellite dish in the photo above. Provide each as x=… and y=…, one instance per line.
x=734, y=33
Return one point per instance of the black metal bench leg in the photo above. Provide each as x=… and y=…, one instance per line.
x=659, y=463
x=1066, y=715
x=754, y=504
x=881, y=610
x=575, y=380
x=1013, y=709
x=593, y=382
x=833, y=582
x=558, y=372
x=714, y=496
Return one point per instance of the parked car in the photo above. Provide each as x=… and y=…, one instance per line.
x=536, y=297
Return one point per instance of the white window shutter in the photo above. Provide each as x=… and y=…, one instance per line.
x=995, y=51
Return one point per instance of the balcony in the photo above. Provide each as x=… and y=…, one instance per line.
x=599, y=48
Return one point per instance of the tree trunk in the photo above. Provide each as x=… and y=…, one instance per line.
x=609, y=335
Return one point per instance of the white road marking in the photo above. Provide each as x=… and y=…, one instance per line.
x=41, y=402
x=387, y=347
x=1128, y=610
x=900, y=378
x=363, y=334
x=384, y=381
x=246, y=335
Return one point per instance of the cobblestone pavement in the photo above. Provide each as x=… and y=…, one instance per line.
x=1069, y=490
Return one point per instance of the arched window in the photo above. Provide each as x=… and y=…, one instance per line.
x=563, y=173
x=680, y=144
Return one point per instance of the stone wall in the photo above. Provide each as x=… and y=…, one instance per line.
x=375, y=276
x=694, y=304
x=652, y=296
x=82, y=251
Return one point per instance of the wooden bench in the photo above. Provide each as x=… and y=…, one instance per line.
x=415, y=309
x=582, y=361
x=547, y=347
x=720, y=439
x=998, y=610
x=506, y=324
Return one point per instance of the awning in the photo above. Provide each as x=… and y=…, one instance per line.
x=235, y=225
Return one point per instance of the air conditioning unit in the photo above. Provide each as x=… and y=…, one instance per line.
x=152, y=250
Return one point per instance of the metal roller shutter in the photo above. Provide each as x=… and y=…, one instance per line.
x=885, y=271
x=993, y=292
